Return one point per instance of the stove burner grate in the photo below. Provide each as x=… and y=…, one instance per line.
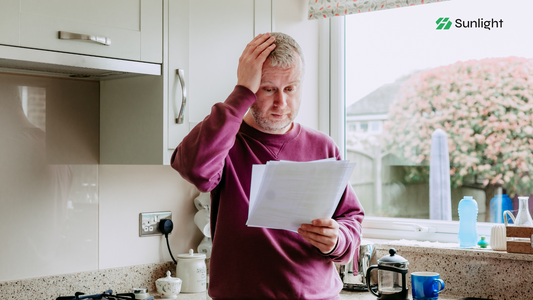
x=105, y=295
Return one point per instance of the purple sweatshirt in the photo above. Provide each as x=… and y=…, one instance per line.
x=251, y=262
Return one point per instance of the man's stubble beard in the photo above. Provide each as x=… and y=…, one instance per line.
x=267, y=124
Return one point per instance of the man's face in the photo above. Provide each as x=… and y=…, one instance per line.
x=278, y=98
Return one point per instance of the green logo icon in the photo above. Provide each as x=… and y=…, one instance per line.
x=444, y=23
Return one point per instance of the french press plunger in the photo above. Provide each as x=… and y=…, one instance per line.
x=391, y=277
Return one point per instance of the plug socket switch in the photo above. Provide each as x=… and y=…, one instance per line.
x=149, y=222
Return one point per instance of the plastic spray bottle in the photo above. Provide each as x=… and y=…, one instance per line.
x=467, y=222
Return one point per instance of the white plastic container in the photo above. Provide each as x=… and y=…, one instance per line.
x=498, y=237
x=192, y=271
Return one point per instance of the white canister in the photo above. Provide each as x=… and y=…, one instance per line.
x=192, y=271
x=498, y=237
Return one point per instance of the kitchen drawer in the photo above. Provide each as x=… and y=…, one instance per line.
x=133, y=26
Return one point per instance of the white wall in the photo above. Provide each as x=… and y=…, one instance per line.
x=126, y=191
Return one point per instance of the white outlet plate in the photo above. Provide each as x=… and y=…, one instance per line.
x=149, y=222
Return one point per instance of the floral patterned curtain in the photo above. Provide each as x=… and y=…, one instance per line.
x=331, y=8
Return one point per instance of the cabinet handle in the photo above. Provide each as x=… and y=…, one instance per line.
x=64, y=35
x=179, y=115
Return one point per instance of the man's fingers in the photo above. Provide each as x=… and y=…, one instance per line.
x=258, y=49
x=262, y=57
x=260, y=38
x=320, y=238
x=324, y=243
x=257, y=41
x=265, y=44
x=252, y=59
x=324, y=231
x=325, y=223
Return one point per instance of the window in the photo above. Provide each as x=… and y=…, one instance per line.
x=375, y=127
x=474, y=81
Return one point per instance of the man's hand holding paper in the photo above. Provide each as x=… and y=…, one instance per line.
x=321, y=233
x=285, y=195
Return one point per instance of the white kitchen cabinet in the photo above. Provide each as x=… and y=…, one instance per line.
x=204, y=39
x=9, y=22
x=133, y=27
x=218, y=32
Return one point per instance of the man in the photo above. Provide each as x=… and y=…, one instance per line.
x=217, y=156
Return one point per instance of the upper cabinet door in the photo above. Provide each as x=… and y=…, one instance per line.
x=126, y=29
x=206, y=39
x=219, y=31
x=9, y=22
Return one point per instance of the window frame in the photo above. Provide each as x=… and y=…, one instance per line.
x=332, y=120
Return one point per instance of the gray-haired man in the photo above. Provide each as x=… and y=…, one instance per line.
x=255, y=125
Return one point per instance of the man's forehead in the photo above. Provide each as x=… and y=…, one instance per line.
x=274, y=82
x=272, y=74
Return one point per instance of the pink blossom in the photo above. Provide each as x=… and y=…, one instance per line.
x=485, y=106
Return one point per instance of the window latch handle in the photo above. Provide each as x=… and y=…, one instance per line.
x=418, y=227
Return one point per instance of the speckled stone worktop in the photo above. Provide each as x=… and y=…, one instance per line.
x=344, y=295
x=470, y=272
x=466, y=272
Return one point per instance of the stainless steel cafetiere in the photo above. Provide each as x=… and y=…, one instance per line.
x=353, y=274
x=392, y=270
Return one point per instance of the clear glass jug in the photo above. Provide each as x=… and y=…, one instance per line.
x=523, y=217
x=392, y=270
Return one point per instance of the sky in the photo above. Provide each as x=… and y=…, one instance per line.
x=385, y=45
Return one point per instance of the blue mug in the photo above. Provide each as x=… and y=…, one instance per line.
x=426, y=285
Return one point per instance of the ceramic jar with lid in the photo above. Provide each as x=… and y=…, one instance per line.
x=192, y=271
x=168, y=287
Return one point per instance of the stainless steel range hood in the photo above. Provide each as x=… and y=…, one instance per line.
x=43, y=62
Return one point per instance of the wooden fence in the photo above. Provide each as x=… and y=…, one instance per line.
x=380, y=188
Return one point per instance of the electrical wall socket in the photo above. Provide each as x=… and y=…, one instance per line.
x=149, y=222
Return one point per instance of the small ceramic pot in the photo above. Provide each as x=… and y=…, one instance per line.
x=168, y=287
x=498, y=237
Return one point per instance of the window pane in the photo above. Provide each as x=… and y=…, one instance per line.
x=407, y=77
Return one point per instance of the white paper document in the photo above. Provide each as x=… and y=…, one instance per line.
x=286, y=194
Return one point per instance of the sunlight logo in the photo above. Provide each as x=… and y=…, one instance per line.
x=444, y=23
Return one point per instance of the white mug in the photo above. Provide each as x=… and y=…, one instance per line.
x=201, y=219
x=203, y=201
x=205, y=247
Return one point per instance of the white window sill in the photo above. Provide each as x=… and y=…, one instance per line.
x=394, y=228
x=429, y=248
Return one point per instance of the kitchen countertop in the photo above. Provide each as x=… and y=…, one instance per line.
x=344, y=295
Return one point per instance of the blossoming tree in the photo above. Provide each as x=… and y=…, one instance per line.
x=486, y=108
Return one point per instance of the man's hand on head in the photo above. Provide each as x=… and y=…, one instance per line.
x=252, y=59
x=322, y=233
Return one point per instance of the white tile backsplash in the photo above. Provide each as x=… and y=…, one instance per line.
x=61, y=212
x=126, y=191
x=48, y=202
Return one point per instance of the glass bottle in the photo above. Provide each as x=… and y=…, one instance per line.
x=523, y=217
